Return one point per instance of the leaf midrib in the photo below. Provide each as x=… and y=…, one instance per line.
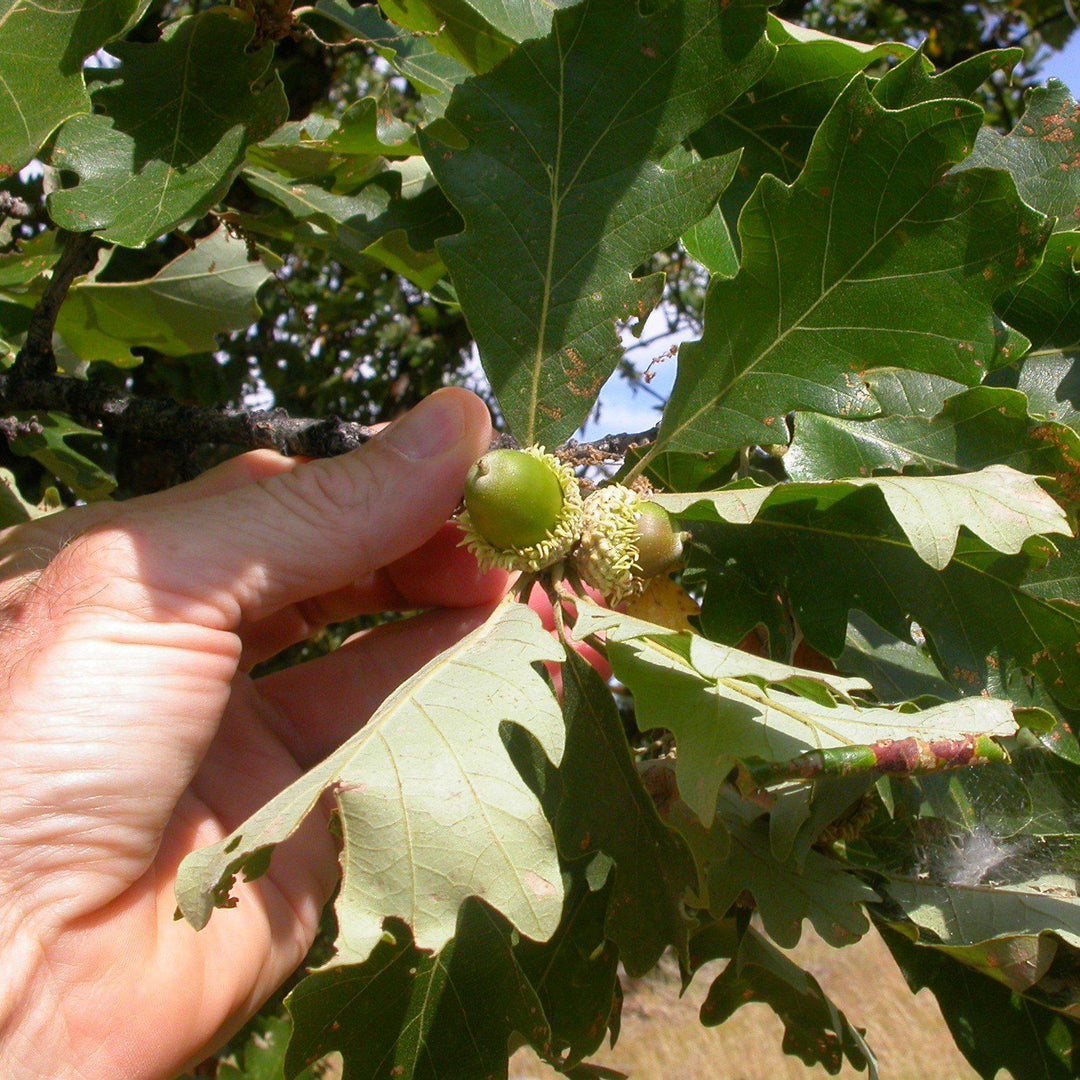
x=549, y=269
x=557, y=196
x=390, y=711
x=796, y=324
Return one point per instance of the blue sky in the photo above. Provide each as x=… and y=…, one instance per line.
x=1065, y=65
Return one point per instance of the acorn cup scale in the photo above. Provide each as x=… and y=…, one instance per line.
x=625, y=541
x=522, y=510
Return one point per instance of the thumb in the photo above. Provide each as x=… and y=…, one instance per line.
x=245, y=554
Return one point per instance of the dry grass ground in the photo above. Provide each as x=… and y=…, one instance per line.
x=662, y=1039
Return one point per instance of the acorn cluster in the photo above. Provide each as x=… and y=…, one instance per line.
x=524, y=511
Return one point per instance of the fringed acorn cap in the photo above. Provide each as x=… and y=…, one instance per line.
x=625, y=541
x=607, y=551
x=505, y=495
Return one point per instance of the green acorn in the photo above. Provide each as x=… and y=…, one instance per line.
x=522, y=509
x=625, y=541
x=659, y=545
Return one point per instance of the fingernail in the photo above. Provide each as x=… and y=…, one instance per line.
x=434, y=426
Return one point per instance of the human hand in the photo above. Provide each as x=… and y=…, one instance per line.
x=131, y=735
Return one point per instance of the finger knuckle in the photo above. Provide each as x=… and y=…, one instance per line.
x=329, y=494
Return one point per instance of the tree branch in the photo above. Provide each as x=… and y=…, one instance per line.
x=32, y=385
x=610, y=446
x=163, y=419
x=36, y=358
x=169, y=421
x=1038, y=27
x=14, y=207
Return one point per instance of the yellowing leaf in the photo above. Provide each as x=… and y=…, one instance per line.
x=666, y=603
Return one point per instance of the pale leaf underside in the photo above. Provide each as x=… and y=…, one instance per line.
x=431, y=807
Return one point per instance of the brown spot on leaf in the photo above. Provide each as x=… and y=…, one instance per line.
x=576, y=367
x=661, y=784
x=1056, y=129
x=1068, y=479
x=965, y=675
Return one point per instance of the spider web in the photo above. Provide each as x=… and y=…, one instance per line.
x=1007, y=825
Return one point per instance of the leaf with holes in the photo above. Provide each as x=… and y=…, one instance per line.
x=815, y=1030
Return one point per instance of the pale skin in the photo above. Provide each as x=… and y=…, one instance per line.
x=131, y=733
